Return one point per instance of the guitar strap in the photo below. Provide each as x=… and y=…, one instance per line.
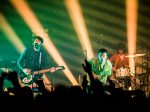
x=40, y=58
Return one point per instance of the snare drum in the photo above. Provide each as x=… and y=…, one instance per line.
x=122, y=72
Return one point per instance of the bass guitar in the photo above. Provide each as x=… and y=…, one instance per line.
x=27, y=77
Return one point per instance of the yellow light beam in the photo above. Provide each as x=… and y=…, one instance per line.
x=31, y=20
x=131, y=10
x=10, y=34
x=79, y=25
x=12, y=37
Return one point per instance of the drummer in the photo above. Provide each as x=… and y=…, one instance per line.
x=119, y=59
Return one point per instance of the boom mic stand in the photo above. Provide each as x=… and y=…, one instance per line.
x=135, y=75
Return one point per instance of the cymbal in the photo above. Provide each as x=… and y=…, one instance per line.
x=135, y=55
x=141, y=66
x=147, y=58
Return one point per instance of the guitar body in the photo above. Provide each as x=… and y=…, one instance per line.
x=29, y=78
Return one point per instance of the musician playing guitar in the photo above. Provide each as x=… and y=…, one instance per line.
x=33, y=62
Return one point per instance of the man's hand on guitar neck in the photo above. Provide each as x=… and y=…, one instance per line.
x=53, y=69
x=27, y=71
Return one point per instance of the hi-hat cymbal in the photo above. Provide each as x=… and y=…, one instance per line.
x=141, y=66
x=135, y=55
x=147, y=58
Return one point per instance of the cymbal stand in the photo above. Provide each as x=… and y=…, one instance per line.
x=148, y=91
x=135, y=75
x=136, y=86
x=142, y=83
x=146, y=77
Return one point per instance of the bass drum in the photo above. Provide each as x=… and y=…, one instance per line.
x=122, y=72
x=123, y=83
x=117, y=84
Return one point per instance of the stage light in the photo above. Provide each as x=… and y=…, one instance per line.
x=79, y=24
x=131, y=12
x=10, y=34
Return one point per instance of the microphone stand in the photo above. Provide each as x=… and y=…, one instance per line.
x=32, y=68
x=32, y=75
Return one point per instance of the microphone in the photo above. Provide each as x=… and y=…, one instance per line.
x=35, y=45
x=104, y=64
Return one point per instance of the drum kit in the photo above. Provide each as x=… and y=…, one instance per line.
x=128, y=80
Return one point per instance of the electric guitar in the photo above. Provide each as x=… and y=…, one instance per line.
x=27, y=77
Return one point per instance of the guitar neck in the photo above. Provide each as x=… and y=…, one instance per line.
x=49, y=70
x=42, y=71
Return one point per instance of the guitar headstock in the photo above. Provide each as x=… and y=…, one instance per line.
x=53, y=69
x=60, y=68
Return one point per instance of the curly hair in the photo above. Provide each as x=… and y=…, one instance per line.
x=103, y=50
x=39, y=38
